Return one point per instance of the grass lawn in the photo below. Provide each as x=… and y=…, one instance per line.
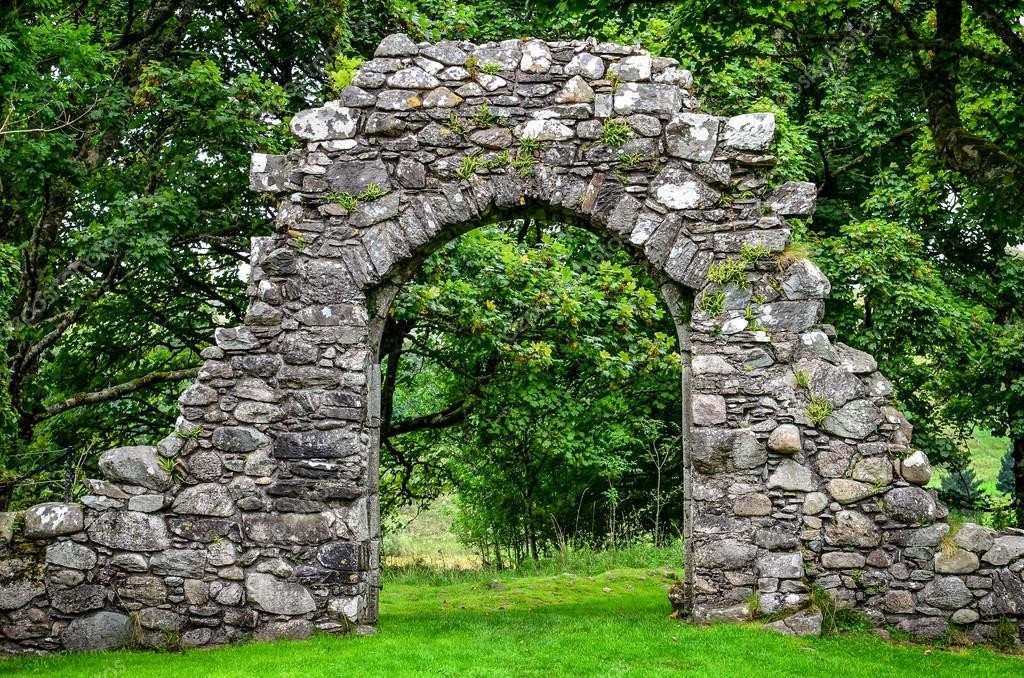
x=615, y=623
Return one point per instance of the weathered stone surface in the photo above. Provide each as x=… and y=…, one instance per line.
x=927, y=628
x=842, y=560
x=793, y=476
x=332, y=121
x=238, y=439
x=857, y=419
x=794, y=199
x=160, y=620
x=852, y=528
x=129, y=531
x=708, y=409
x=750, y=131
x=958, y=561
x=916, y=468
x=656, y=99
x=147, y=503
x=846, y=491
x=267, y=528
x=413, y=78
x=975, y=538
x=179, y=562
x=726, y=554
x=332, y=444
x=588, y=65
x=79, y=599
x=677, y=189
x=52, y=520
x=805, y=623
x=756, y=504
x=815, y=503
x=789, y=316
x=1004, y=550
x=781, y=565
x=138, y=465
x=804, y=280
x=494, y=137
x=785, y=439
x=98, y=631
x=692, y=136
x=70, y=554
x=910, y=505
x=205, y=499
x=272, y=595
x=396, y=45
x=20, y=582
x=543, y=130
x=875, y=471
x=718, y=450
x=575, y=91
x=947, y=593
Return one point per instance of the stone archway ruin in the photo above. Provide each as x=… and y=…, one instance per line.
x=272, y=528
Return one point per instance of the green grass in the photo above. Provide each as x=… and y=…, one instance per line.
x=610, y=624
x=987, y=452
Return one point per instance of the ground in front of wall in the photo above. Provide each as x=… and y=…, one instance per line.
x=477, y=624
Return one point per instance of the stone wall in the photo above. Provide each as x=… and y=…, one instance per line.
x=259, y=515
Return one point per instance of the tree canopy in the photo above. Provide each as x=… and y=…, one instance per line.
x=125, y=129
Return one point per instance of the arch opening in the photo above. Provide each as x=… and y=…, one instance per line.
x=600, y=327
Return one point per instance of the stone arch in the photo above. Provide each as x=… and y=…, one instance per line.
x=271, y=525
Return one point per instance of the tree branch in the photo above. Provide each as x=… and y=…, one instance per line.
x=449, y=417
x=115, y=392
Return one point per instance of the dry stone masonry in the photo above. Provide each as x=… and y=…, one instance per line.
x=258, y=517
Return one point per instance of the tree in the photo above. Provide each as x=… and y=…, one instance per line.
x=125, y=131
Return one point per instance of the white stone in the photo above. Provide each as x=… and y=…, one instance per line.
x=916, y=468
x=635, y=68
x=587, y=65
x=331, y=121
x=575, y=91
x=750, y=131
x=793, y=476
x=815, y=503
x=536, y=57
x=413, y=78
x=543, y=130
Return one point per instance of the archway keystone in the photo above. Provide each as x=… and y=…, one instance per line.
x=799, y=470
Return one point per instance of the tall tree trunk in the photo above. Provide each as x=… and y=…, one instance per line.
x=1018, y=479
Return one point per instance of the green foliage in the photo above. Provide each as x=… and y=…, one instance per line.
x=732, y=271
x=453, y=124
x=818, y=409
x=491, y=68
x=372, y=192
x=545, y=359
x=752, y=253
x=523, y=162
x=711, y=302
x=342, y=71
x=483, y=115
x=631, y=160
x=803, y=379
x=468, y=167
x=529, y=145
x=173, y=468
x=615, y=132
x=347, y=201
